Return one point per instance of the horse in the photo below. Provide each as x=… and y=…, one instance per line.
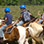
x=35, y=32
x=18, y=33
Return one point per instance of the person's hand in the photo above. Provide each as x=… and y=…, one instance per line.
x=21, y=16
x=39, y=13
x=30, y=13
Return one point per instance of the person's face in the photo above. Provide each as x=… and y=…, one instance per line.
x=22, y=9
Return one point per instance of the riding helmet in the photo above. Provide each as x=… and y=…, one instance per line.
x=7, y=10
x=22, y=6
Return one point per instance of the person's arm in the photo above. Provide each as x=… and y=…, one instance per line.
x=5, y=18
x=18, y=20
x=20, y=17
x=43, y=16
x=3, y=22
x=29, y=13
x=39, y=13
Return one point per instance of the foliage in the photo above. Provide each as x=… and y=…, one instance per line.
x=19, y=2
x=8, y=2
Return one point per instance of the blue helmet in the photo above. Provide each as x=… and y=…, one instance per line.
x=43, y=8
x=22, y=6
x=7, y=10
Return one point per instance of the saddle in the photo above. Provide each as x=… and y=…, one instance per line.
x=8, y=29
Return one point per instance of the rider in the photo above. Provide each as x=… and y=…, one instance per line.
x=8, y=20
x=25, y=15
x=42, y=17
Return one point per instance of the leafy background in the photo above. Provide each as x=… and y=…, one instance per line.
x=15, y=10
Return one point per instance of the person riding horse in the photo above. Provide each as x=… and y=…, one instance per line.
x=42, y=17
x=8, y=20
x=25, y=16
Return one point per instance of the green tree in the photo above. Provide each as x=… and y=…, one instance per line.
x=33, y=2
x=19, y=2
x=15, y=2
x=23, y=2
x=0, y=2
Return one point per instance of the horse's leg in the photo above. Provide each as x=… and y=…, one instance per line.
x=37, y=39
x=33, y=41
x=43, y=41
x=26, y=41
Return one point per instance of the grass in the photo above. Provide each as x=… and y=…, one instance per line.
x=15, y=10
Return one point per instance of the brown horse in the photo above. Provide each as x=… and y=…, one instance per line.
x=18, y=33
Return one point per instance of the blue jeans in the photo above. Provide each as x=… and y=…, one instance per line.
x=40, y=21
x=1, y=30
x=20, y=23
